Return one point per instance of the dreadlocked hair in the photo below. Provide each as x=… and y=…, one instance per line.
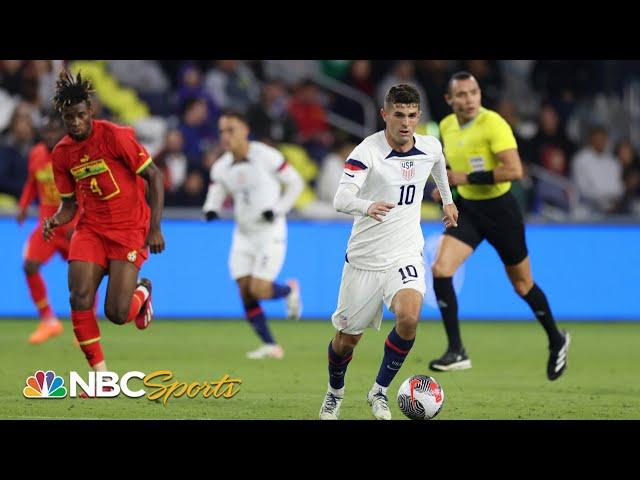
x=70, y=91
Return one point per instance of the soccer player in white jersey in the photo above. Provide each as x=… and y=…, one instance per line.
x=382, y=186
x=253, y=174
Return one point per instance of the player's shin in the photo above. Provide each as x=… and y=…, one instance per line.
x=448, y=304
x=337, y=369
x=258, y=321
x=38, y=291
x=396, y=350
x=537, y=301
x=85, y=327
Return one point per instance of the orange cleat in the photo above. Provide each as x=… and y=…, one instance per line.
x=45, y=331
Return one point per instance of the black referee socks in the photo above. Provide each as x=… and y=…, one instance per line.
x=448, y=304
x=537, y=301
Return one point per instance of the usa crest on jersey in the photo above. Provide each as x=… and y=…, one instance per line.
x=408, y=170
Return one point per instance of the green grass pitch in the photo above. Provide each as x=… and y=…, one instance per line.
x=507, y=380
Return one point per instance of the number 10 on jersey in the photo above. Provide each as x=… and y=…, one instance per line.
x=407, y=194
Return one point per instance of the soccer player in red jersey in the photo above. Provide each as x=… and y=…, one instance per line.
x=37, y=252
x=101, y=166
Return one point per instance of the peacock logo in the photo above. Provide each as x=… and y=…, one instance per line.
x=45, y=385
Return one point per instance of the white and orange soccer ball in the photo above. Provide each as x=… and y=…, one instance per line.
x=420, y=397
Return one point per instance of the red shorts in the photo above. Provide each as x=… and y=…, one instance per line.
x=37, y=249
x=87, y=245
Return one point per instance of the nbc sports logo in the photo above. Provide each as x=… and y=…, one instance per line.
x=45, y=385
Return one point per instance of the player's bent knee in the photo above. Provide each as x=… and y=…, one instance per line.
x=81, y=299
x=522, y=287
x=260, y=290
x=347, y=342
x=440, y=269
x=117, y=315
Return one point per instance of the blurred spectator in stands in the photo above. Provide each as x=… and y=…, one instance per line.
x=142, y=75
x=629, y=160
x=232, y=84
x=193, y=191
x=11, y=76
x=523, y=189
x=30, y=85
x=190, y=85
x=291, y=72
x=48, y=71
x=433, y=76
x=359, y=78
x=269, y=119
x=597, y=174
x=516, y=85
x=554, y=160
x=550, y=134
x=563, y=83
x=198, y=133
x=14, y=151
x=173, y=162
x=489, y=77
x=403, y=72
x=311, y=120
x=522, y=130
x=147, y=78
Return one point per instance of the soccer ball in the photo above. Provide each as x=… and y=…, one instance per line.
x=420, y=397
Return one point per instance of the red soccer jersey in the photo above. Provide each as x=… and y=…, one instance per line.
x=102, y=171
x=40, y=183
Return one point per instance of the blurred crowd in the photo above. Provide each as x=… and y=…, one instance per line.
x=577, y=122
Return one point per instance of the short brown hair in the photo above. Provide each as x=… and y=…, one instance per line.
x=402, y=93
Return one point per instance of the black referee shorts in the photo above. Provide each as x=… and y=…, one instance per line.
x=498, y=220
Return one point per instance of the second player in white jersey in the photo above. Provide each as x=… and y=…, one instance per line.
x=254, y=174
x=381, y=173
x=255, y=183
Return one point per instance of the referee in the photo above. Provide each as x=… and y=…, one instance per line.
x=483, y=155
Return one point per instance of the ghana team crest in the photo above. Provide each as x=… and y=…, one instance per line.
x=132, y=255
x=408, y=170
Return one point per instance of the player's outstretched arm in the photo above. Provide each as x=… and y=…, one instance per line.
x=66, y=211
x=153, y=175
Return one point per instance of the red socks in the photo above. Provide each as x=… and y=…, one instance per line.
x=139, y=297
x=38, y=291
x=85, y=326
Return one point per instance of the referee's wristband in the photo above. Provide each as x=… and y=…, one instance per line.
x=481, y=177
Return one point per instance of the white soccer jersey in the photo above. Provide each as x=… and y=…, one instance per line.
x=255, y=185
x=383, y=174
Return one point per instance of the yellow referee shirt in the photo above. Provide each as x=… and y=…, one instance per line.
x=473, y=148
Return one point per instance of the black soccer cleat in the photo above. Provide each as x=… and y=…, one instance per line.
x=451, y=361
x=557, y=363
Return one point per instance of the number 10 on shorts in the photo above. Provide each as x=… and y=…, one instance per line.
x=408, y=271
